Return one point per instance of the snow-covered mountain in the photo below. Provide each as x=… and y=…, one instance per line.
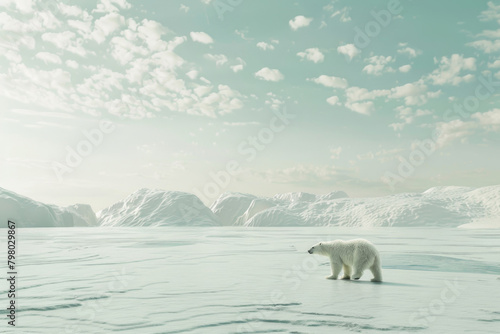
x=147, y=207
x=29, y=213
x=440, y=206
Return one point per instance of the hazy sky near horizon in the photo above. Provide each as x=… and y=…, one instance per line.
x=100, y=98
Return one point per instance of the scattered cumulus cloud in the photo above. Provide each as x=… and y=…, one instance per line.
x=450, y=69
x=219, y=59
x=72, y=64
x=48, y=57
x=364, y=108
x=378, y=64
x=239, y=67
x=265, y=46
x=489, y=119
x=330, y=81
x=404, y=49
x=405, y=68
x=299, y=22
x=349, y=50
x=201, y=37
x=333, y=100
x=268, y=74
x=312, y=54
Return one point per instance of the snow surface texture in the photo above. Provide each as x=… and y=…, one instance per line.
x=29, y=213
x=157, y=208
x=235, y=280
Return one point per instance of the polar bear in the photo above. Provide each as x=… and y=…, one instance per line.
x=354, y=256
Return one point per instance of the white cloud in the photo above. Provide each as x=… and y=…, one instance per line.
x=354, y=94
x=23, y=6
x=218, y=59
x=450, y=68
x=265, y=46
x=184, y=8
x=201, y=37
x=106, y=25
x=299, y=22
x=378, y=64
x=49, y=89
x=12, y=55
x=40, y=21
x=125, y=51
x=495, y=64
x=48, y=57
x=343, y=14
x=68, y=10
x=108, y=6
x=492, y=34
x=268, y=74
x=333, y=100
x=492, y=42
x=364, y=108
x=397, y=127
x=405, y=114
x=486, y=45
x=152, y=31
x=223, y=101
x=330, y=81
x=312, y=54
x=413, y=93
x=237, y=68
x=66, y=40
x=193, y=74
x=72, y=64
x=405, y=68
x=406, y=50
x=83, y=27
x=349, y=50
x=274, y=101
x=489, y=119
x=492, y=13
x=451, y=131
x=448, y=132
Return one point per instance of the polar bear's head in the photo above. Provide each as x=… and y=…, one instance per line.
x=317, y=249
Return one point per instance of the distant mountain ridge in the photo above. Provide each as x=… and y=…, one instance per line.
x=438, y=206
x=30, y=213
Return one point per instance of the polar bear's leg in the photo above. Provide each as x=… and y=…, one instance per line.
x=359, y=266
x=336, y=267
x=347, y=272
x=376, y=271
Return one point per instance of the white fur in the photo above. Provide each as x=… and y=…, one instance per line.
x=354, y=256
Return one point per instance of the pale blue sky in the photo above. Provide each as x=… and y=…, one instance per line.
x=188, y=84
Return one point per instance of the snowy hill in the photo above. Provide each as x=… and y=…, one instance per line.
x=29, y=213
x=440, y=206
x=147, y=207
x=229, y=206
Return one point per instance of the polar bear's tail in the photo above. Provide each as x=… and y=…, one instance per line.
x=376, y=270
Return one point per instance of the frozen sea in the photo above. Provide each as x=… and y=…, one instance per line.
x=260, y=280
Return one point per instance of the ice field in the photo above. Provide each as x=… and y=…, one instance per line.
x=252, y=280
